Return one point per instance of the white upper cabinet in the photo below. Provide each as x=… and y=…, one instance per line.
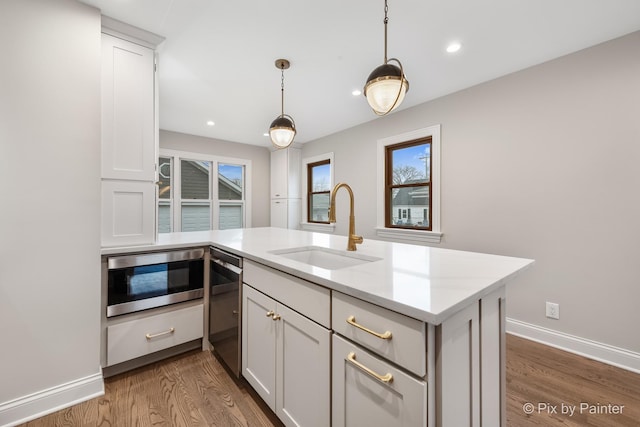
x=128, y=116
x=129, y=134
x=285, y=173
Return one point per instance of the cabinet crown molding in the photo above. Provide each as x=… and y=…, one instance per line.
x=128, y=32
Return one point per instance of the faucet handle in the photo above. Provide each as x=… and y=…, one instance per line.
x=356, y=238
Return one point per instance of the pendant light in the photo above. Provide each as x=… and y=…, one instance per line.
x=283, y=128
x=387, y=84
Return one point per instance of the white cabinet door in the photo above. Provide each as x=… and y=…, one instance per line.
x=285, y=213
x=279, y=174
x=128, y=120
x=286, y=359
x=303, y=370
x=360, y=399
x=279, y=213
x=285, y=173
x=259, y=344
x=128, y=213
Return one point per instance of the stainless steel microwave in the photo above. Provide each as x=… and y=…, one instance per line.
x=143, y=281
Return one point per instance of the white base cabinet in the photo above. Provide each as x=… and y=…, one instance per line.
x=286, y=358
x=369, y=391
x=143, y=336
x=386, y=369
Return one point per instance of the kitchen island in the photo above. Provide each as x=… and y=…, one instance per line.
x=423, y=326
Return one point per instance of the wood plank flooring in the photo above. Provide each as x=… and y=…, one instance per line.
x=554, y=381
x=195, y=390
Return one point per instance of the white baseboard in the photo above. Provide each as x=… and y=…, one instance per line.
x=36, y=405
x=605, y=353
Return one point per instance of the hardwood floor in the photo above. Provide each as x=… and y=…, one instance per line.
x=545, y=382
x=194, y=390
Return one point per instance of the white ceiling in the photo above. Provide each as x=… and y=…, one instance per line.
x=217, y=62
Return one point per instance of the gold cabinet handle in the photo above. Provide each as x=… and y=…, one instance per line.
x=352, y=321
x=276, y=317
x=167, y=332
x=386, y=378
x=270, y=313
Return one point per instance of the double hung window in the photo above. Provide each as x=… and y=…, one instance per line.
x=408, y=185
x=318, y=191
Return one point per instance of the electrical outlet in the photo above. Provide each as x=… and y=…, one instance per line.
x=553, y=310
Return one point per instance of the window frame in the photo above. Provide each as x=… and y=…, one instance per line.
x=176, y=200
x=315, y=226
x=403, y=234
x=390, y=186
x=311, y=193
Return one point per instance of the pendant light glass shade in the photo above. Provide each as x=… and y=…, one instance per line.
x=387, y=85
x=283, y=128
x=282, y=131
x=385, y=88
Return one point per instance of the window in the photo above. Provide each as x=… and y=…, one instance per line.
x=318, y=191
x=408, y=185
x=199, y=192
x=317, y=181
x=164, y=195
x=230, y=196
x=195, y=198
x=408, y=205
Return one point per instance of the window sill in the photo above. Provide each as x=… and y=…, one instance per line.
x=313, y=226
x=397, y=234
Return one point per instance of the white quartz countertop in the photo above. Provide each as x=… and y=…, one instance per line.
x=422, y=282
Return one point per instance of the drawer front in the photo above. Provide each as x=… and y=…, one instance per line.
x=360, y=398
x=402, y=340
x=128, y=340
x=310, y=299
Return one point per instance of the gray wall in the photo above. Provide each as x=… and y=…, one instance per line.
x=260, y=164
x=540, y=164
x=50, y=209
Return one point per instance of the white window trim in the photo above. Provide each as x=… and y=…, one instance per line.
x=435, y=235
x=176, y=194
x=314, y=226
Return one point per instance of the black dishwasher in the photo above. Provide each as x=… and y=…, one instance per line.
x=225, y=281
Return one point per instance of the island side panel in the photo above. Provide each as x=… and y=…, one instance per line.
x=493, y=358
x=458, y=369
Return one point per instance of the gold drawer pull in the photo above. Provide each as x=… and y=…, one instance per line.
x=270, y=313
x=387, y=378
x=151, y=336
x=352, y=321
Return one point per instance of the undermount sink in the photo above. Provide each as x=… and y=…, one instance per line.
x=329, y=259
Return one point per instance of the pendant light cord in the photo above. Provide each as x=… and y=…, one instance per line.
x=386, y=21
x=282, y=90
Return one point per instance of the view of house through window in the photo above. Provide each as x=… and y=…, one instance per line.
x=408, y=185
x=164, y=195
x=195, y=195
x=230, y=196
x=201, y=204
x=318, y=190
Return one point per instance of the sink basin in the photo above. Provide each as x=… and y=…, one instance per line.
x=329, y=259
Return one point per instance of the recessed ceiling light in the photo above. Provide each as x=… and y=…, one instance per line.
x=210, y=123
x=454, y=47
x=265, y=134
x=356, y=92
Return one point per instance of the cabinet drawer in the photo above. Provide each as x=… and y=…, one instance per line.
x=360, y=398
x=406, y=343
x=135, y=338
x=305, y=297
